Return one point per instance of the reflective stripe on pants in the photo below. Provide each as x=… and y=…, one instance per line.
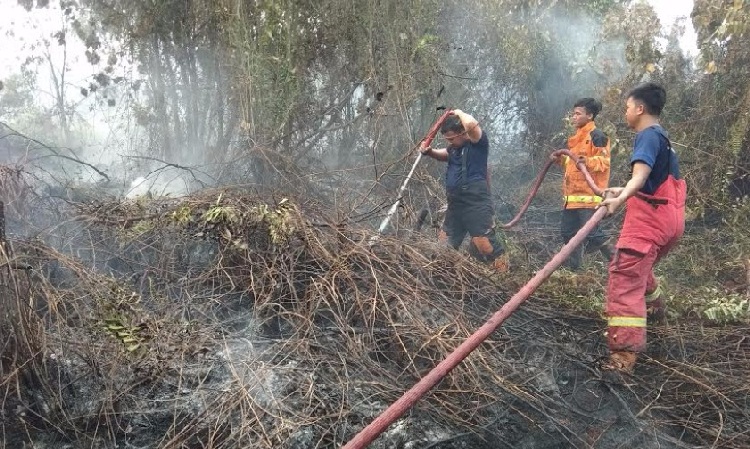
x=626, y=321
x=582, y=199
x=630, y=274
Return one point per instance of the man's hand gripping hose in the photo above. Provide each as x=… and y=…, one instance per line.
x=424, y=143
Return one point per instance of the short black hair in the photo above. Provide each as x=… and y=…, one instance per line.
x=452, y=123
x=651, y=95
x=591, y=105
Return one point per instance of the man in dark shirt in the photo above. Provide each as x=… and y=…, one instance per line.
x=468, y=189
x=654, y=221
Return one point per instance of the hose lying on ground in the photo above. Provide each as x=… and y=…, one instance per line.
x=409, y=398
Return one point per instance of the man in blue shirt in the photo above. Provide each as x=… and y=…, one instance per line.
x=468, y=189
x=654, y=221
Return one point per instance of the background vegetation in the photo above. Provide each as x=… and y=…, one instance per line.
x=250, y=306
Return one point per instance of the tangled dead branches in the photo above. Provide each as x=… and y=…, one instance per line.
x=226, y=320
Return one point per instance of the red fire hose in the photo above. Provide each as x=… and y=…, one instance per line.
x=538, y=182
x=408, y=399
x=427, y=141
x=435, y=128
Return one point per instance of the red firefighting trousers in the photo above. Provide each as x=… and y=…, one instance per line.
x=652, y=226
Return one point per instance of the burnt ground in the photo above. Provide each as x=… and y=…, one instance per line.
x=227, y=320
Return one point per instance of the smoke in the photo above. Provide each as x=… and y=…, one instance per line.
x=520, y=70
x=168, y=184
x=578, y=43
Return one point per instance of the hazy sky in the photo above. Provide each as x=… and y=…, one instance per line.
x=21, y=32
x=668, y=11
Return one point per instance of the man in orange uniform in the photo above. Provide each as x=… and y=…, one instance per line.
x=654, y=221
x=592, y=145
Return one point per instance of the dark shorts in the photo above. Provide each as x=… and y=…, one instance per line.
x=470, y=212
x=574, y=219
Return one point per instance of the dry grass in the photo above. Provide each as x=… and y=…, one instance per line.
x=226, y=320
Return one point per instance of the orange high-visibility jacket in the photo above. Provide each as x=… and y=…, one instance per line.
x=593, y=145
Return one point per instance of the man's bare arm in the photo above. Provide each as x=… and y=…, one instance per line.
x=440, y=154
x=616, y=197
x=471, y=125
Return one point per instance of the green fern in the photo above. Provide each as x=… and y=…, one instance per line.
x=729, y=308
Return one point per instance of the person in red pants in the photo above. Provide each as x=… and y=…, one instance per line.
x=654, y=221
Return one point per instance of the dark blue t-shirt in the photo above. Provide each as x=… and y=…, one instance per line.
x=476, y=162
x=652, y=147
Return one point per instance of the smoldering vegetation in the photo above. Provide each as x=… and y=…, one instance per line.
x=206, y=281
x=227, y=319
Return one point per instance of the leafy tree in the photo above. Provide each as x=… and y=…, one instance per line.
x=723, y=32
x=16, y=95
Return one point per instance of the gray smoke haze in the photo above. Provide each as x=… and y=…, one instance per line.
x=144, y=133
x=106, y=121
x=595, y=61
x=568, y=58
